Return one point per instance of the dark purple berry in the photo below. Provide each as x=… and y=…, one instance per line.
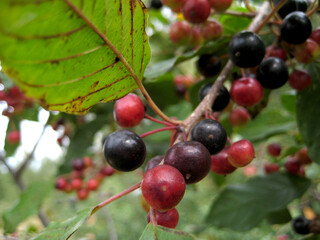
x=291, y=6
x=208, y=65
x=153, y=162
x=301, y=225
x=222, y=100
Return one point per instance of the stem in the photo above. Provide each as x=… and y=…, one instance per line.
x=117, y=196
x=239, y=14
x=158, y=130
x=314, y=8
x=123, y=60
x=248, y=6
x=153, y=218
x=242, y=72
x=157, y=120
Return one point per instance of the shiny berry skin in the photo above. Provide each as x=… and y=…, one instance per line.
x=272, y=73
x=78, y=164
x=82, y=194
x=129, y=111
x=167, y=219
x=61, y=183
x=14, y=137
x=153, y=162
x=124, y=150
x=300, y=225
x=292, y=166
x=211, y=30
x=246, y=49
x=156, y=4
x=163, y=187
x=211, y=134
x=92, y=184
x=271, y=167
x=221, y=101
x=246, y=91
x=220, y=163
x=196, y=11
x=315, y=35
x=191, y=158
x=239, y=116
x=208, y=65
x=278, y=52
x=296, y=28
x=107, y=171
x=303, y=157
x=306, y=52
x=299, y=79
x=291, y=6
x=241, y=153
x=180, y=33
x=274, y=149
x=220, y=5
x=76, y=183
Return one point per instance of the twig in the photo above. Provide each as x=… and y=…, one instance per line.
x=248, y=6
x=239, y=14
x=313, y=9
x=158, y=130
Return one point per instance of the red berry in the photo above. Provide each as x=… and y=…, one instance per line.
x=299, y=79
x=246, y=91
x=61, y=183
x=82, y=194
x=292, y=166
x=220, y=163
x=92, y=184
x=220, y=5
x=196, y=37
x=274, y=149
x=78, y=164
x=241, y=153
x=271, y=167
x=306, y=52
x=239, y=116
x=196, y=11
x=278, y=52
x=129, y=111
x=87, y=161
x=163, y=187
x=13, y=137
x=107, y=171
x=173, y=4
x=180, y=33
x=211, y=30
x=303, y=157
x=315, y=35
x=167, y=219
x=76, y=183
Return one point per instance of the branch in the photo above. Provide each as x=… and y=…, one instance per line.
x=240, y=14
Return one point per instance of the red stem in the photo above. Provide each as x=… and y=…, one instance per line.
x=229, y=141
x=242, y=72
x=158, y=130
x=153, y=218
x=157, y=120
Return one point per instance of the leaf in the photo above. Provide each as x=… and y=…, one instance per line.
x=308, y=114
x=288, y=101
x=279, y=217
x=67, y=54
x=29, y=204
x=162, y=233
x=233, y=24
x=63, y=230
x=242, y=206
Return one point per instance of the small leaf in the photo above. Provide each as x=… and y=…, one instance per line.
x=289, y=101
x=29, y=204
x=279, y=217
x=72, y=54
x=63, y=230
x=308, y=114
x=162, y=233
x=243, y=206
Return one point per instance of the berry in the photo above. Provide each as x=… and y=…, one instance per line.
x=82, y=194
x=76, y=183
x=180, y=33
x=315, y=35
x=246, y=49
x=175, y=5
x=61, y=183
x=220, y=164
x=196, y=37
x=155, y=4
x=241, y=153
x=87, y=161
x=153, y=162
x=196, y=11
x=14, y=137
x=167, y=219
x=239, y=116
x=129, y=111
x=163, y=187
x=107, y=171
x=292, y=166
x=300, y=225
x=274, y=149
x=191, y=158
x=306, y=52
x=291, y=6
x=299, y=79
x=246, y=91
x=221, y=101
x=211, y=30
x=220, y=5
x=208, y=65
x=271, y=167
x=296, y=28
x=78, y=164
x=303, y=157
x=124, y=150
x=272, y=73
x=92, y=184
x=211, y=134
x=278, y=52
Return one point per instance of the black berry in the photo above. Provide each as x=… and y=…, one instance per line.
x=272, y=73
x=301, y=225
x=222, y=100
x=153, y=162
x=155, y=4
x=124, y=150
x=208, y=65
x=211, y=134
x=291, y=6
x=246, y=49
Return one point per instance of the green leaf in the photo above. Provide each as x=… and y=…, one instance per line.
x=289, y=101
x=63, y=230
x=64, y=53
x=243, y=206
x=308, y=113
x=279, y=217
x=234, y=24
x=162, y=233
x=29, y=204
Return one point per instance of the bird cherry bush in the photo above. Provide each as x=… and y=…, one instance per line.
x=234, y=85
